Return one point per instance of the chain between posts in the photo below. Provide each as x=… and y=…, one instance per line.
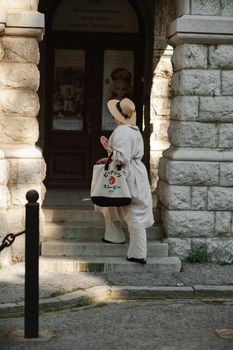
x=9, y=239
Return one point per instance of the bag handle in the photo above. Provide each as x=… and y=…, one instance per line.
x=109, y=161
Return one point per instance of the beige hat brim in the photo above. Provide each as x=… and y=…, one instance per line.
x=118, y=116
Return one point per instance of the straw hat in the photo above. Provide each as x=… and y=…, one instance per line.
x=123, y=111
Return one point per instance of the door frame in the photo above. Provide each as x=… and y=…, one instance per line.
x=50, y=36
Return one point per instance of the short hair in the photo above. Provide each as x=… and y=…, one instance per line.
x=121, y=73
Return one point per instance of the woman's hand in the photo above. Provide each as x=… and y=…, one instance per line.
x=102, y=161
x=104, y=143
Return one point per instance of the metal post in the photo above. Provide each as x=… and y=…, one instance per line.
x=31, y=308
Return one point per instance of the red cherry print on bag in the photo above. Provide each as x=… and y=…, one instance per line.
x=112, y=180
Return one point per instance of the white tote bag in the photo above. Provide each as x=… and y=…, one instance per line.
x=109, y=187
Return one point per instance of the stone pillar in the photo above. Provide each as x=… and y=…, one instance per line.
x=195, y=174
x=161, y=87
x=22, y=165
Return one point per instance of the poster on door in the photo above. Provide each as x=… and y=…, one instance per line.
x=68, y=94
x=118, y=81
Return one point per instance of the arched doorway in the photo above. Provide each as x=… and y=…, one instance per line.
x=95, y=51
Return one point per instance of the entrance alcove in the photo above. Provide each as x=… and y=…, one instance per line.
x=87, y=45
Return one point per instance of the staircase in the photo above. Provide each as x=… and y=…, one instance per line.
x=72, y=239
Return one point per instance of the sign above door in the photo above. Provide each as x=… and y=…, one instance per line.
x=96, y=16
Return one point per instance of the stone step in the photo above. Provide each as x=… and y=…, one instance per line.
x=96, y=249
x=79, y=214
x=109, y=264
x=89, y=231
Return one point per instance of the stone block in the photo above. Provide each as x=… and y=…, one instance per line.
x=223, y=223
x=189, y=173
x=216, y=109
x=3, y=223
x=10, y=106
x=4, y=197
x=226, y=136
x=226, y=174
x=18, y=130
x=23, y=4
x=2, y=52
x=4, y=172
x=161, y=88
x=184, y=108
x=188, y=224
x=199, y=198
x=19, y=76
x=16, y=219
x=196, y=82
x=163, y=69
x=174, y=197
x=21, y=49
x=206, y=7
x=190, y=56
x=193, y=134
x=18, y=193
x=27, y=171
x=221, y=56
x=227, y=83
x=220, y=198
x=160, y=128
x=227, y=7
x=18, y=249
x=160, y=106
x=220, y=250
x=179, y=247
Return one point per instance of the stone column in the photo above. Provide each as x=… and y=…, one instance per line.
x=22, y=164
x=196, y=172
x=161, y=87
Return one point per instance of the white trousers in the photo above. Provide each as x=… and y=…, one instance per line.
x=137, y=234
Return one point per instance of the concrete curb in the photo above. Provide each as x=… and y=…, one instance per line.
x=100, y=294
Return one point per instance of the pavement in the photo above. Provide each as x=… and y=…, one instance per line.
x=60, y=291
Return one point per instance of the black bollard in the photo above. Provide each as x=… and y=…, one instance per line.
x=31, y=308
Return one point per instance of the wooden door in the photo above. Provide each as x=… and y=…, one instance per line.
x=83, y=74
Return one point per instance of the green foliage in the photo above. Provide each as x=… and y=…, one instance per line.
x=197, y=255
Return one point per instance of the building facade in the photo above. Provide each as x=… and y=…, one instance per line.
x=59, y=63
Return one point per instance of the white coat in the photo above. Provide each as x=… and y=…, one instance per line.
x=127, y=144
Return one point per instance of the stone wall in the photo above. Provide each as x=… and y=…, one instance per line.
x=195, y=186
x=21, y=164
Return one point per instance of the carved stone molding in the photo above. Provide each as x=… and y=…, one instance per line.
x=201, y=29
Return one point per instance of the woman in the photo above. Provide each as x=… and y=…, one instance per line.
x=126, y=143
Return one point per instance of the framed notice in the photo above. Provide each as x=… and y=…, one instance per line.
x=96, y=16
x=118, y=81
x=69, y=90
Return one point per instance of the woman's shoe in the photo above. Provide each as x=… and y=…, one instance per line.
x=106, y=241
x=140, y=261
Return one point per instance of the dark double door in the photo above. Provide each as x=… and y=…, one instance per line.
x=83, y=73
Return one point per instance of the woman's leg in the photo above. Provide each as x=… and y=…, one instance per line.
x=113, y=229
x=138, y=242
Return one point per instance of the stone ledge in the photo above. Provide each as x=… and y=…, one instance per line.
x=200, y=29
x=20, y=151
x=28, y=19
x=23, y=23
x=199, y=154
x=27, y=32
x=100, y=294
x=2, y=16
